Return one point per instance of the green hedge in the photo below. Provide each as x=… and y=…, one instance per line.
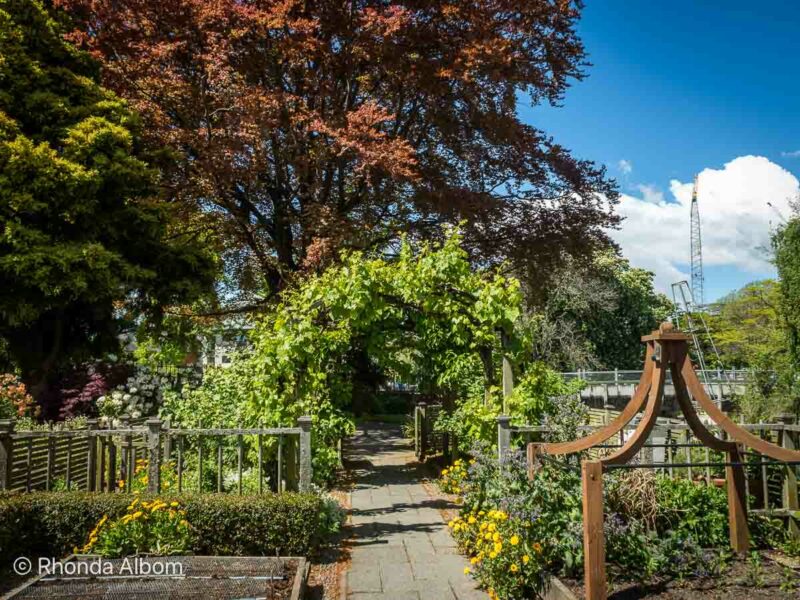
x=52, y=524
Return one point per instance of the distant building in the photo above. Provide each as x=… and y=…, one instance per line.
x=232, y=337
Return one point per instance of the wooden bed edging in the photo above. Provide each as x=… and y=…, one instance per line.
x=556, y=590
x=298, y=588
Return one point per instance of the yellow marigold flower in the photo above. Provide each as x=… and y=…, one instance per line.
x=472, y=520
x=481, y=513
x=492, y=554
x=488, y=536
x=137, y=514
x=498, y=547
x=466, y=570
x=474, y=560
x=444, y=472
x=492, y=527
x=526, y=559
x=121, y=483
x=483, y=526
x=514, y=540
x=513, y=568
x=496, y=537
x=174, y=504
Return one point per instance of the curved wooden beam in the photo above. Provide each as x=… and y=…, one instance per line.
x=727, y=425
x=631, y=409
x=695, y=424
x=642, y=431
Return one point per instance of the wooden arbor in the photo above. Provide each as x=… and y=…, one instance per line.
x=667, y=351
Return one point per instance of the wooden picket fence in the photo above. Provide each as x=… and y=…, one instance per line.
x=105, y=460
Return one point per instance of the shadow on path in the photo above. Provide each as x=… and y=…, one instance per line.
x=401, y=547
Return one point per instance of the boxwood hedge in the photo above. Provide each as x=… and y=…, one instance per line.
x=52, y=524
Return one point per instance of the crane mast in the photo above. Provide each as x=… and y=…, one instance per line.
x=698, y=294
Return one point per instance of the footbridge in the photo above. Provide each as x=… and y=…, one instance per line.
x=617, y=386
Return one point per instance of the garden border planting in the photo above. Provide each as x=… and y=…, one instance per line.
x=53, y=524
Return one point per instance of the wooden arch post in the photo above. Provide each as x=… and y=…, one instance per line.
x=667, y=352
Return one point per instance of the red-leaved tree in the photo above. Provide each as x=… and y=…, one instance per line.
x=296, y=127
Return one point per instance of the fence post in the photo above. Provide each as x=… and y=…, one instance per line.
x=127, y=461
x=423, y=433
x=6, y=452
x=167, y=440
x=503, y=435
x=111, y=474
x=532, y=456
x=594, y=550
x=508, y=373
x=790, y=499
x=153, y=456
x=737, y=503
x=91, y=461
x=416, y=431
x=305, y=453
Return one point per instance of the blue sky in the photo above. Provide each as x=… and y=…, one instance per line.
x=679, y=87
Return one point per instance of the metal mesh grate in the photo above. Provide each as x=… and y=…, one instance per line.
x=207, y=577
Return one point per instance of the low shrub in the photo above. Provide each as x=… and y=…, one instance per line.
x=158, y=528
x=15, y=401
x=53, y=524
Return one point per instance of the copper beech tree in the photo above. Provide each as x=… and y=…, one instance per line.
x=303, y=126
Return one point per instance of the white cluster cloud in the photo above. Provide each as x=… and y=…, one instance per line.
x=625, y=166
x=735, y=214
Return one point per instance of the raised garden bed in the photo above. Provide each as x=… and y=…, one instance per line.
x=741, y=581
x=207, y=577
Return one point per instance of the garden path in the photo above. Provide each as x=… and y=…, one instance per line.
x=401, y=546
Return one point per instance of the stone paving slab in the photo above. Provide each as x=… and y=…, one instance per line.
x=401, y=548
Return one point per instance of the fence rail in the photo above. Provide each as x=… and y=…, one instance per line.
x=107, y=460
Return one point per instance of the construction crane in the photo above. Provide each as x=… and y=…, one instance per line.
x=696, y=248
x=695, y=325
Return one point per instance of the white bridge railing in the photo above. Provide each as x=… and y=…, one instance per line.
x=622, y=377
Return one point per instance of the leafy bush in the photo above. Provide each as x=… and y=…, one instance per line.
x=140, y=396
x=158, y=527
x=83, y=385
x=52, y=524
x=692, y=510
x=453, y=477
x=15, y=401
x=332, y=516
